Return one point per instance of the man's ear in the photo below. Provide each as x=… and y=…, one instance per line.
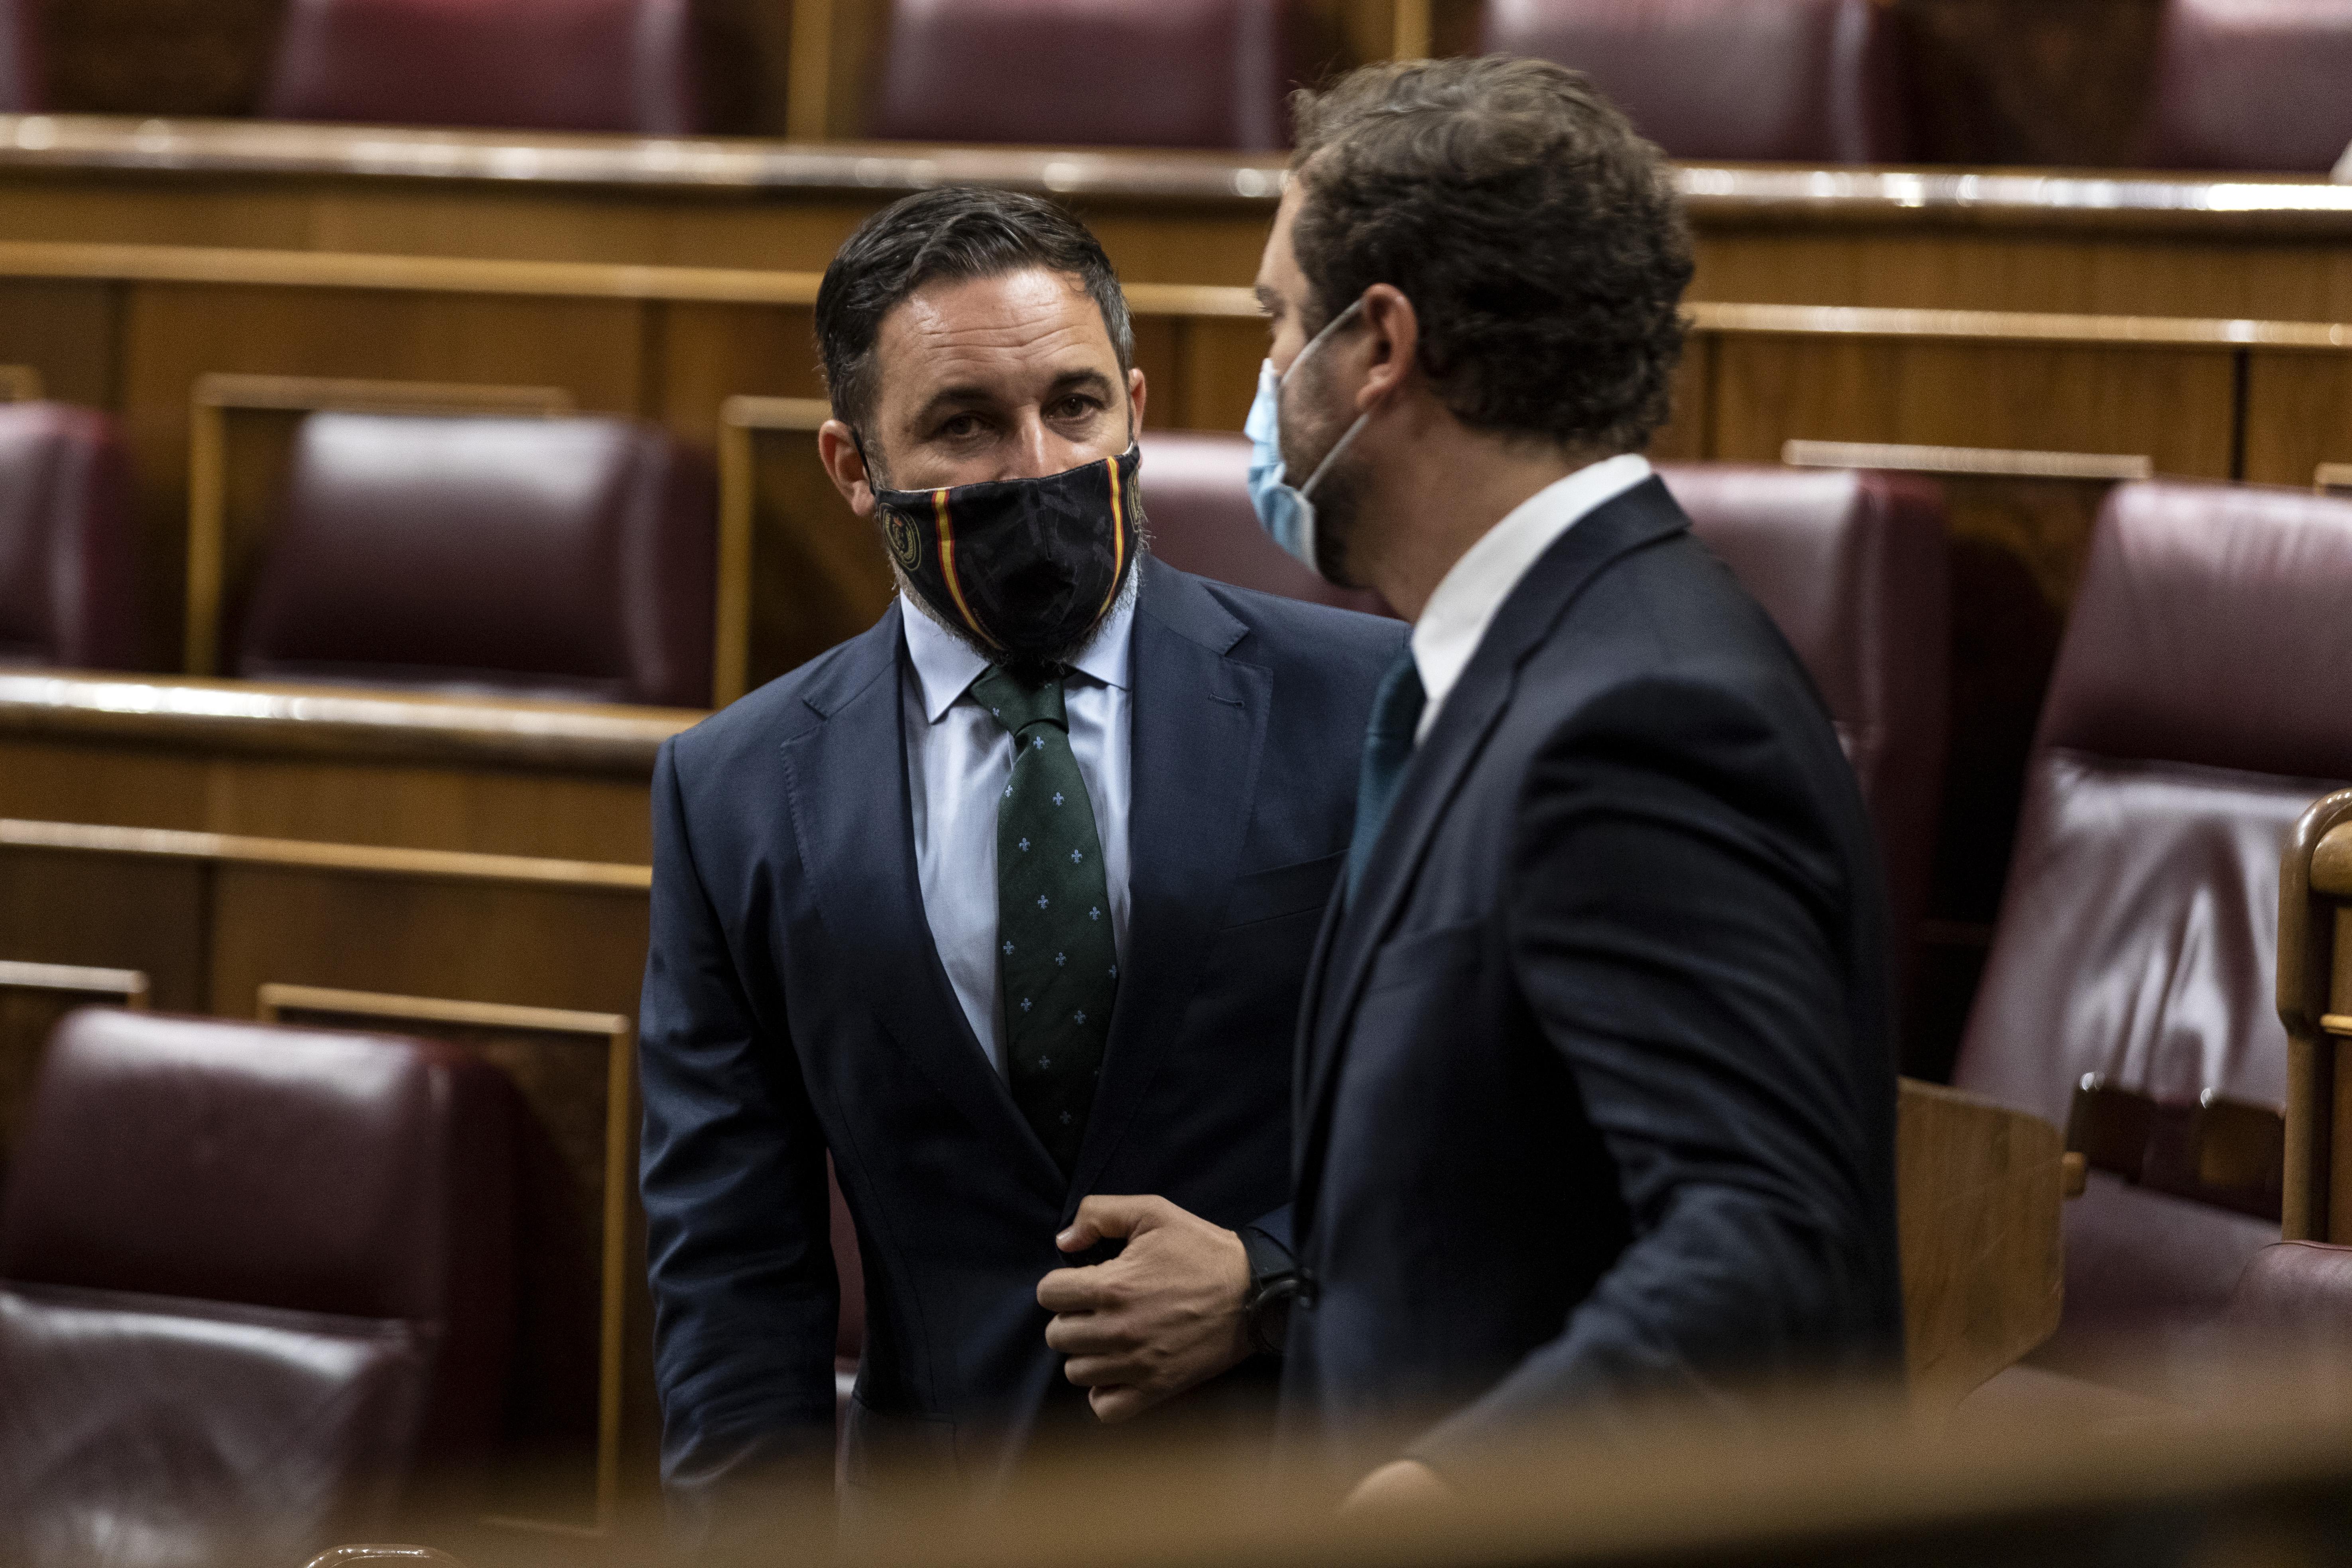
x=1392, y=335
x=1135, y=397
x=837, y=448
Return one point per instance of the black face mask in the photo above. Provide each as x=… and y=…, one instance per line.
x=1027, y=567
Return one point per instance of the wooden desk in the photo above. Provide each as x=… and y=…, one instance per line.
x=2315, y=1002
x=542, y=779
x=1931, y=238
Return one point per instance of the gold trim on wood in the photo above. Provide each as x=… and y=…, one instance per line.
x=128, y=986
x=1976, y=460
x=436, y=865
x=215, y=395
x=619, y=1033
x=738, y=419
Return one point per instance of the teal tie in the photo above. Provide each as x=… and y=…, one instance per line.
x=1388, y=752
x=1054, y=948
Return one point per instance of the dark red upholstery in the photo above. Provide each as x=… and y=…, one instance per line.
x=537, y=65
x=2252, y=84
x=1138, y=73
x=21, y=90
x=1197, y=509
x=550, y=557
x=2194, y=713
x=1852, y=566
x=250, y=1270
x=65, y=582
x=1804, y=81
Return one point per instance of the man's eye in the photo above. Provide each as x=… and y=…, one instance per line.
x=962, y=425
x=1076, y=406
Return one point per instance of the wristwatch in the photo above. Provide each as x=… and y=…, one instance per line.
x=1274, y=1284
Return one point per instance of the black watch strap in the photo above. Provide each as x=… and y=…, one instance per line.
x=1273, y=1282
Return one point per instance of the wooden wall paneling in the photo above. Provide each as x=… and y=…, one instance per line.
x=237, y=471
x=176, y=333
x=147, y=913
x=158, y=207
x=584, y=1329
x=1686, y=437
x=2298, y=417
x=34, y=998
x=65, y=331
x=799, y=571
x=1217, y=360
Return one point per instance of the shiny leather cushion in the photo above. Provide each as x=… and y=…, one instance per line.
x=541, y=65
x=2252, y=84
x=247, y=1163
x=1812, y=81
x=1196, y=503
x=141, y=1430
x=66, y=585
x=2295, y=1289
x=1852, y=566
x=2211, y=629
x=21, y=90
x=1142, y=73
x=552, y=557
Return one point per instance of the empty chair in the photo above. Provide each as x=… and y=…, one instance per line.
x=536, y=65
x=1144, y=73
x=1809, y=81
x=2193, y=714
x=21, y=88
x=1197, y=509
x=2252, y=84
x=248, y=1276
x=1852, y=566
x=569, y=558
x=65, y=582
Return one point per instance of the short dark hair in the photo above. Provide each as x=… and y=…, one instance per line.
x=1539, y=237
x=954, y=232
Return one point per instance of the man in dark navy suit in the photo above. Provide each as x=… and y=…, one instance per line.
x=1004, y=904
x=1596, y=1094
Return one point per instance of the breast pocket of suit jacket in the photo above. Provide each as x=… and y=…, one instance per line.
x=1283, y=893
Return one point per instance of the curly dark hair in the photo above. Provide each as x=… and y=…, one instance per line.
x=1539, y=237
x=952, y=232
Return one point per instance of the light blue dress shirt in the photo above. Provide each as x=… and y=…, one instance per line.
x=958, y=759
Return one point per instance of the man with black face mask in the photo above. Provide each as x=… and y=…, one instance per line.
x=1004, y=904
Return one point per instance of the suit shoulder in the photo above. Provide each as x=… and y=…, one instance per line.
x=760, y=720
x=1295, y=629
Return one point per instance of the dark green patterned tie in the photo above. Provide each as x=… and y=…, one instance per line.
x=1054, y=947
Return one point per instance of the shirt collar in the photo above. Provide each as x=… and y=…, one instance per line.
x=947, y=665
x=1455, y=619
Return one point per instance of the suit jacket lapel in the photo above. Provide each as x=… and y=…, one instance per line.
x=1198, y=726
x=852, y=817
x=1640, y=516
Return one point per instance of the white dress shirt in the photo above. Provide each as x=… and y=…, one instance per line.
x=1454, y=620
x=958, y=760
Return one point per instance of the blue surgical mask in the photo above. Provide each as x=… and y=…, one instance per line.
x=1285, y=510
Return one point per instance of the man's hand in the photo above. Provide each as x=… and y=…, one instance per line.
x=1401, y=1483
x=1166, y=1313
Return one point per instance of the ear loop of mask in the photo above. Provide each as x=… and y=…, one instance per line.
x=1307, y=491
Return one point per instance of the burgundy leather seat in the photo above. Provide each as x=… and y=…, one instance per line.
x=249, y=1275
x=1197, y=507
x=547, y=557
x=536, y=65
x=2194, y=713
x=1138, y=73
x=66, y=580
x=1852, y=566
x=21, y=90
x=2252, y=84
x=1804, y=81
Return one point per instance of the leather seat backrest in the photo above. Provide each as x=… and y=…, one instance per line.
x=66, y=584
x=351, y=1177
x=1142, y=73
x=537, y=65
x=1852, y=567
x=2192, y=715
x=568, y=557
x=22, y=88
x=2252, y=84
x=1810, y=81
x=1196, y=505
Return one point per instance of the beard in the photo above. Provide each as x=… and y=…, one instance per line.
x=1338, y=494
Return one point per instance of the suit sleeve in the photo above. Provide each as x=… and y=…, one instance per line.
x=738, y=1233
x=1677, y=920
